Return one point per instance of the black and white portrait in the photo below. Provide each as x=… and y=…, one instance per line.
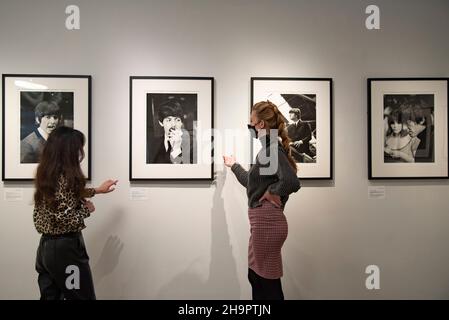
x=408, y=128
x=171, y=125
x=306, y=106
x=33, y=107
x=170, y=128
x=301, y=125
x=40, y=113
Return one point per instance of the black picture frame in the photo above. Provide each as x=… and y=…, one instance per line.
x=301, y=86
x=169, y=85
x=14, y=87
x=390, y=98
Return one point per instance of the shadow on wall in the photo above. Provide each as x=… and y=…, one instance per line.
x=108, y=259
x=110, y=254
x=223, y=280
x=292, y=289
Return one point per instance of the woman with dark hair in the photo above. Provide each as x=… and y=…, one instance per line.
x=400, y=146
x=59, y=212
x=268, y=185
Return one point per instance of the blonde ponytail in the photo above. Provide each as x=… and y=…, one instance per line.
x=282, y=133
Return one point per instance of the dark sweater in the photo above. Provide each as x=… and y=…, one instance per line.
x=283, y=182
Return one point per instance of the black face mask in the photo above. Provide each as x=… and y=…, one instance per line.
x=253, y=131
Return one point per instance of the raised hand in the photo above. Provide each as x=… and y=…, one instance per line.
x=229, y=161
x=106, y=187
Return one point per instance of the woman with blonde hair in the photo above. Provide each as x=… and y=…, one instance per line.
x=268, y=192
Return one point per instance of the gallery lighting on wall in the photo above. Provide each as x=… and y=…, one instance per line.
x=29, y=85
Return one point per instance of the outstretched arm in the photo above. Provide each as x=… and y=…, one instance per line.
x=240, y=173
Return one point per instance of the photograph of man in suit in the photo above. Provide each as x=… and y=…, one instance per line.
x=174, y=146
x=300, y=134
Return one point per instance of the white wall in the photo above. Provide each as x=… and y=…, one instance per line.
x=199, y=249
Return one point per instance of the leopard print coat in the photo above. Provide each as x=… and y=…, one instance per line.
x=70, y=213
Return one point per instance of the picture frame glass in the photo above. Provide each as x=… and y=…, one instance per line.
x=171, y=128
x=408, y=121
x=306, y=107
x=33, y=106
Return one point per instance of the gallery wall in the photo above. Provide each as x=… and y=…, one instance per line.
x=189, y=240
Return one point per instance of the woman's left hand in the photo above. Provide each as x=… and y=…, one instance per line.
x=273, y=198
x=89, y=205
x=106, y=186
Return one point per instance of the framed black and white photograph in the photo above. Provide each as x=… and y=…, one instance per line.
x=33, y=106
x=306, y=105
x=407, y=128
x=171, y=123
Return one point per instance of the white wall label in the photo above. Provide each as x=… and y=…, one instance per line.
x=13, y=194
x=138, y=194
x=376, y=192
x=373, y=20
x=72, y=22
x=373, y=280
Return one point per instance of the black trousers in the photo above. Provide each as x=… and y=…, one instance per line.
x=265, y=289
x=63, y=267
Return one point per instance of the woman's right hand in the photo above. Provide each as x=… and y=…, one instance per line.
x=90, y=205
x=106, y=187
x=229, y=161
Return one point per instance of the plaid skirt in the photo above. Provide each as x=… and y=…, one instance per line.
x=269, y=230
